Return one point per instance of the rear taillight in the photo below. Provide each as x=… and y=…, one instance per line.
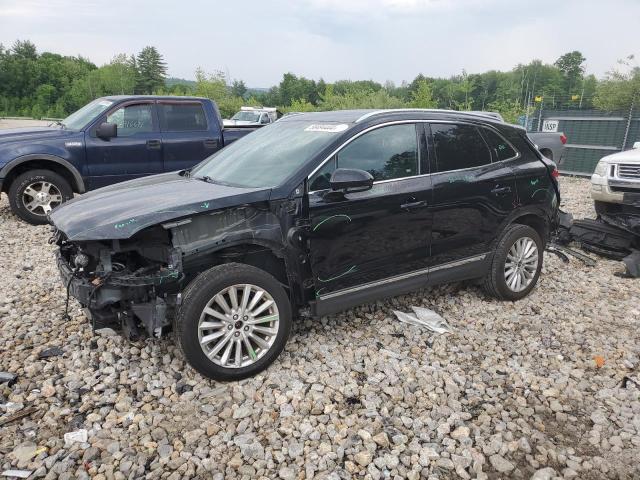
x=563, y=138
x=555, y=173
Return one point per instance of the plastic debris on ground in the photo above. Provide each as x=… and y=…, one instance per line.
x=613, y=235
x=424, y=318
x=79, y=436
x=51, y=352
x=17, y=473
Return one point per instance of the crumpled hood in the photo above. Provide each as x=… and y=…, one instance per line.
x=33, y=134
x=121, y=210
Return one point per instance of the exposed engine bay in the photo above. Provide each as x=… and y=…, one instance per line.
x=129, y=282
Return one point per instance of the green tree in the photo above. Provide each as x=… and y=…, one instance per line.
x=24, y=49
x=621, y=89
x=152, y=70
x=422, y=96
x=572, y=68
x=238, y=88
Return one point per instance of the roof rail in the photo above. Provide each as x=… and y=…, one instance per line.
x=431, y=110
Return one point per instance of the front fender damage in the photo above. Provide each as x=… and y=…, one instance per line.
x=136, y=282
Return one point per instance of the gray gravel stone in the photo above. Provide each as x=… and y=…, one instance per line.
x=513, y=390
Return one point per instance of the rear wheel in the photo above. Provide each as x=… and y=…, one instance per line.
x=516, y=264
x=233, y=322
x=33, y=194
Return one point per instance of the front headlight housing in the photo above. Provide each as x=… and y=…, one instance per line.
x=601, y=169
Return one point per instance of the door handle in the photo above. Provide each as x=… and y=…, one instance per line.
x=501, y=190
x=411, y=205
x=210, y=143
x=153, y=144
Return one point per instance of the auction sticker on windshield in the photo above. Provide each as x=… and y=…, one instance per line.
x=327, y=127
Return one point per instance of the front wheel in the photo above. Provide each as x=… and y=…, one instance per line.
x=233, y=322
x=516, y=264
x=33, y=194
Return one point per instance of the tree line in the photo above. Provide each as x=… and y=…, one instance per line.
x=52, y=85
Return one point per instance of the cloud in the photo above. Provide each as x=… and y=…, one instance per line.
x=258, y=41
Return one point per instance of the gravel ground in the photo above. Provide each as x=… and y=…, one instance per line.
x=532, y=389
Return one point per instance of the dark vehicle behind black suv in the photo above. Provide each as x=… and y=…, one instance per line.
x=311, y=215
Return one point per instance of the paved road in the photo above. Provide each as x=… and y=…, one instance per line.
x=5, y=123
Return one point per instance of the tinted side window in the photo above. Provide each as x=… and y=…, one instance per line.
x=386, y=153
x=132, y=119
x=458, y=146
x=498, y=145
x=187, y=117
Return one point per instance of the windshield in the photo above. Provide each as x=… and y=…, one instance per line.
x=246, y=116
x=268, y=156
x=80, y=118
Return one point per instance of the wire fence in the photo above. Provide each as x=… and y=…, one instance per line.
x=591, y=133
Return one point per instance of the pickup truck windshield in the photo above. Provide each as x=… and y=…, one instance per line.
x=246, y=116
x=268, y=156
x=78, y=119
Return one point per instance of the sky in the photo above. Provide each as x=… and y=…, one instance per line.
x=259, y=40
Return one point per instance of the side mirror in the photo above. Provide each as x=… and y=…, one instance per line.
x=107, y=130
x=636, y=145
x=350, y=180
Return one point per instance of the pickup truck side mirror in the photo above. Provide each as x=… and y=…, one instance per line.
x=107, y=130
x=351, y=180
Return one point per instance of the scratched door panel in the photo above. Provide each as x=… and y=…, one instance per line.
x=468, y=210
x=368, y=236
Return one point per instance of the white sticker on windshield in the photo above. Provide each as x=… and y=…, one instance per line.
x=327, y=127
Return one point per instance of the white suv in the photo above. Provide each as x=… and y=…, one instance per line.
x=615, y=182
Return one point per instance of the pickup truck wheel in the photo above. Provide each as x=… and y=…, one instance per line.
x=33, y=194
x=516, y=264
x=234, y=320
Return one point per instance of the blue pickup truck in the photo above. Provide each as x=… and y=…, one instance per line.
x=110, y=140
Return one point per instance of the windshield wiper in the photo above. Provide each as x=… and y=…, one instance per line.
x=58, y=122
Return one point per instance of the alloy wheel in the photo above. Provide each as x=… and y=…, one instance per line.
x=238, y=325
x=41, y=197
x=521, y=264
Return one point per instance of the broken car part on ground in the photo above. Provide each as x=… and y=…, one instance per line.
x=311, y=215
x=612, y=235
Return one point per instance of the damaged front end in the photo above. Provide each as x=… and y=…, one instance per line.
x=132, y=283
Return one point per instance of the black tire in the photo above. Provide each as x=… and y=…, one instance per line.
x=197, y=295
x=495, y=283
x=31, y=177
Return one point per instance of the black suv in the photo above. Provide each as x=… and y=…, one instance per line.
x=311, y=215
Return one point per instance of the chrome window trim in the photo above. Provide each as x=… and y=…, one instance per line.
x=396, y=122
x=395, y=278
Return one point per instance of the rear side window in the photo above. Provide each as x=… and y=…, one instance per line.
x=498, y=145
x=182, y=117
x=458, y=147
